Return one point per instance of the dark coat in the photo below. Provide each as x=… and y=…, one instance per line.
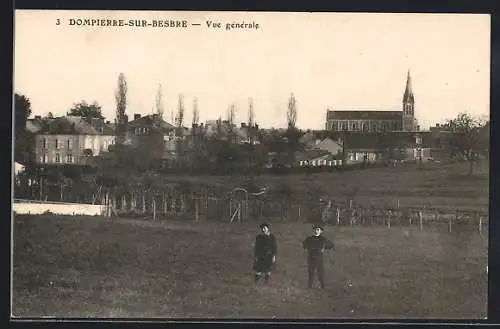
x=316, y=245
x=265, y=249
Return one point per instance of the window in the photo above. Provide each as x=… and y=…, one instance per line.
x=44, y=143
x=69, y=158
x=58, y=144
x=43, y=158
x=70, y=144
x=58, y=158
x=344, y=126
x=354, y=126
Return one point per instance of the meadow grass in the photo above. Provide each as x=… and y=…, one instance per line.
x=443, y=186
x=67, y=266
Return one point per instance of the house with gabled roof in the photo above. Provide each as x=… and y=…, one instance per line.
x=392, y=146
x=72, y=140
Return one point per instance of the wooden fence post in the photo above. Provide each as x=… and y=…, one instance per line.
x=338, y=215
x=480, y=223
x=449, y=225
x=420, y=218
x=143, y=202
x=154, y=209
x=124, y=203
x=108, y=205
x=456, y=221
x=164, y=203
x=300, y=219
x=389, y=215
x=196, y=210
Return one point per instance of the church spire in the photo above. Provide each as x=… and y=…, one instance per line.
x=408, y=95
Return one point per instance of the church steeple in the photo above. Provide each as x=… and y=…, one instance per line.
x=408, y=98
x=409, y=120
x=408, y=95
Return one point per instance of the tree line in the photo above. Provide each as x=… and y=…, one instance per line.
x=467, y=138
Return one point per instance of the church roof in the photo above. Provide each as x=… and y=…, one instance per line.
x=364, y=115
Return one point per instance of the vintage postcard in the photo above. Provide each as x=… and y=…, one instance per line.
x=250, y=165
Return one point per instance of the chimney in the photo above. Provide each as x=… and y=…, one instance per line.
x=137, y=116
x=124, y=119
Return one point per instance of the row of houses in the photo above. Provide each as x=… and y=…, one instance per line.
x=76, y=140
x=355, y=148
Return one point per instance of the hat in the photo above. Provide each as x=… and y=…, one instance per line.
x=264, y=225
x=315, y=226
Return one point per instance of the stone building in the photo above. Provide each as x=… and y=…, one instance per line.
x=376, y=120
x=71, y=140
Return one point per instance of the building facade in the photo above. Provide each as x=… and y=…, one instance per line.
x=376, y=120
x=72, y=140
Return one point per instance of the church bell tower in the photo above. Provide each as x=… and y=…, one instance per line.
x=409, y=121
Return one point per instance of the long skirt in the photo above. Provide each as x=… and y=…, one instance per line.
x=263, y=264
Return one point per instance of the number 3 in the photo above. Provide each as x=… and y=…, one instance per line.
x=58, y=22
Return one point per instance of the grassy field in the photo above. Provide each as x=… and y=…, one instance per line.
x=77, y=266
x=443, y=186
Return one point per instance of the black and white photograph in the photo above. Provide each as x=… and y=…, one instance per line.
x=250, y=165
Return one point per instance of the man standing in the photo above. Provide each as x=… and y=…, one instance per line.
x=266, y=248
x=316, y=246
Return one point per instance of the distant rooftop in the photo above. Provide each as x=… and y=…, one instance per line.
x=363, y=114
x=75, y=125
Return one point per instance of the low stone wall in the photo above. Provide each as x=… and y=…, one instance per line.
x=27, y=207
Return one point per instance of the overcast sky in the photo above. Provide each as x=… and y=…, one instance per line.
x=344, y=61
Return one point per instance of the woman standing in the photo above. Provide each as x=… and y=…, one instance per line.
x=265, y=251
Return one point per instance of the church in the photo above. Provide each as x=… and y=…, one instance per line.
x=376, y=120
